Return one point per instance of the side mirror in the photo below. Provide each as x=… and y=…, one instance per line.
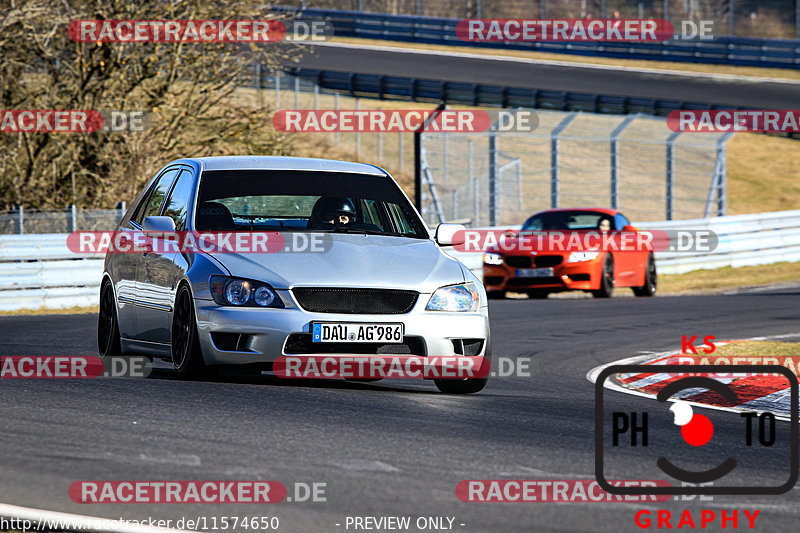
x=158, y=225
x=448, y=234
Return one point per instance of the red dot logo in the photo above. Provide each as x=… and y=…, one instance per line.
x=698, y=431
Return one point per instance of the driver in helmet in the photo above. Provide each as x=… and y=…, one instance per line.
x=333, y=211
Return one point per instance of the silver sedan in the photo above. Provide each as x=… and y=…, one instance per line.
x=353, y=253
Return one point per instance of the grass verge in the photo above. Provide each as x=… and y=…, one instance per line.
x=728, y=278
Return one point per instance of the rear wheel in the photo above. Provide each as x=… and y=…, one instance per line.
x=650, y=279
x=108, y=323
x=186, y=355
x=607, y=279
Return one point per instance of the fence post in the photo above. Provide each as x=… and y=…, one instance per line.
x=554, y=157
x=476, y=203
x=336, y=107
x=400, y=149
x=722, y=186
x=316, y=97
x=20, y=220
x=73, y=218
x=358, y=132
x=444, y=158
x=670, y=172
x=492, y=177
x=277, y=79
x=121, y=208
x=297, y=92
x=259, y=87
x=615, y=160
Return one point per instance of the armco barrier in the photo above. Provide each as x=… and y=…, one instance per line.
x=744, y=240
x=475, y=94
x=773, y=53
x=39, y=271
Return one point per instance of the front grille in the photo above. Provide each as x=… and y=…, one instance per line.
x=518, y=261
x=579, y=277
x=300, y=343
x=525, y=282
x=356, y=301
x=493, y=280
x=544, y=261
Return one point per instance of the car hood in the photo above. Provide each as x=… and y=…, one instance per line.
x=352, y=260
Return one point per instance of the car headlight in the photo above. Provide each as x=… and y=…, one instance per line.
x=579, y=257
x=462, y=297
x=492, y=259
x=242, y=292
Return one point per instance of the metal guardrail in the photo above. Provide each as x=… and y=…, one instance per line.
x=744, y=51
x=39, y=271
x=475, y=94
x=743, y=240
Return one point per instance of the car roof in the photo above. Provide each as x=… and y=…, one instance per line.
x=602, y=210
x=261, y=162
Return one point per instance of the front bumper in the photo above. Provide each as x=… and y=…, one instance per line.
x=266, y=330
x=566, y=276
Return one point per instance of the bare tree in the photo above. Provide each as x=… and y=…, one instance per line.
x=186, y=89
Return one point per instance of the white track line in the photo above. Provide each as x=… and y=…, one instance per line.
x=592, y=374
x=76, y=522
x=553, y=62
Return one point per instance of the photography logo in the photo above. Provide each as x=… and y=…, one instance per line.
x=670, y=440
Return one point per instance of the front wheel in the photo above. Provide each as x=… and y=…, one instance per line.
x=650, y=279
x=187, y=359
x=108, y=323
x=606, y=280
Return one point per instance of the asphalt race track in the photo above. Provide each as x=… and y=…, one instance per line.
x=554, y=76
x=386, y=448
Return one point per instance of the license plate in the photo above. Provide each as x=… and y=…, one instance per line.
x=534, y=272
x=391, y=333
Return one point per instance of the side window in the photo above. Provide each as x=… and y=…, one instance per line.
x=152, y=205
x=178, y=201
x=620, y=221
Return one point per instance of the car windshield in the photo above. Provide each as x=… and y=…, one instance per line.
x=292, y=200
x=566, y=220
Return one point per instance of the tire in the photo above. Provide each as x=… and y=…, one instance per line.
x=187, y=359
x=460, y=386
x=607, y=279
x=650, y=279
x=496, y=295
x=538, y=295
x=108, y=343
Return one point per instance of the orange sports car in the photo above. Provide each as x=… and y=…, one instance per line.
x=586, y=249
